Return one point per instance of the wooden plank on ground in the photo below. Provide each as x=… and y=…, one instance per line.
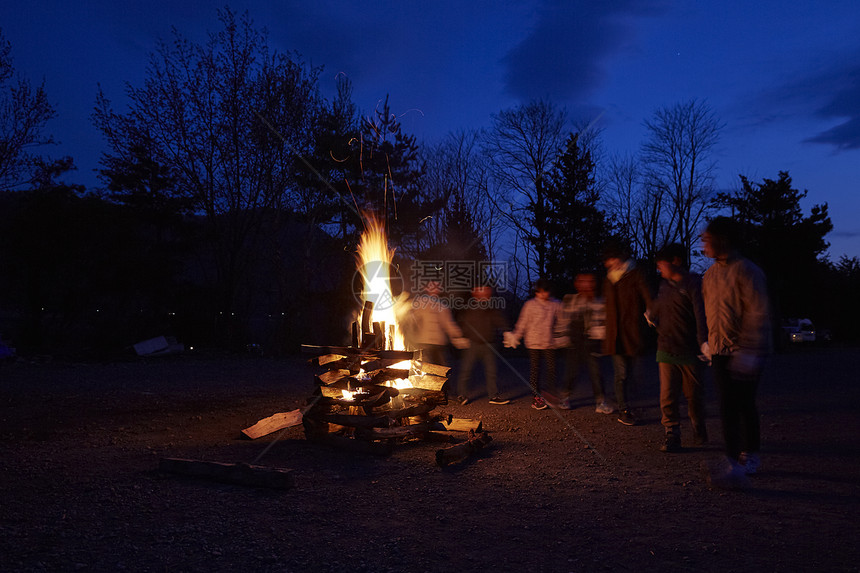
x=462, y=425
x=274, y=423
x=242, y=474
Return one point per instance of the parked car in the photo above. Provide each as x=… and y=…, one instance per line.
x=799, y=330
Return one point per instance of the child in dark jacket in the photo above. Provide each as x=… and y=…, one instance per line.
x=678, y=313
x=481, y=324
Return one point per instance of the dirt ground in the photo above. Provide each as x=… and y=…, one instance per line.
x=556, y=491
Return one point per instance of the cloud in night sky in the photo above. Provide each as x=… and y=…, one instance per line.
x=830, y=93
x=842, y=89
x=564, y=55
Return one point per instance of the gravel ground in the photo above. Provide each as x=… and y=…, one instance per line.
x=556, y=491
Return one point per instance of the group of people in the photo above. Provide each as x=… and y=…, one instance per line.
x=720, y=318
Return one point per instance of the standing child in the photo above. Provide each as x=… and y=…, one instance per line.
x=627, y=297
x=583, y=321
x=536, y=325
x=737, y=310
x=678, y=313
x=481, y=323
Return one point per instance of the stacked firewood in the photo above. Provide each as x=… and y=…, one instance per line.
x=377, y=396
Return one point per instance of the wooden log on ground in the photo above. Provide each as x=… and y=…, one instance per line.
x=432, y=436
x=461, y=425
x=241, y=474
x=463, y=451
x=274, y=423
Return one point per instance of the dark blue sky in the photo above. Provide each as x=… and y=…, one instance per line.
x=784, y=76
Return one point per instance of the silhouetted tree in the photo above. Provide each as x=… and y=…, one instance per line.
x=24, y=113
x=678, y=169
x=577, y=228
x=386, y=172
x=229, y=121
x=523, y=145
x=788, y=245
x=458, y=174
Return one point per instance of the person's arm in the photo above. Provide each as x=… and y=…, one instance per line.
x=523, y=321
x=563, y=316
x=449, y=325
x=698, y=302
x=644, y=289
x=754, y=335
x=654, y=310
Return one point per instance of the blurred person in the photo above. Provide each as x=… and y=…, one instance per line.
x=627, y=297
x=583, y=322
x=481, y=323
x=430, y=325
x=738, y=317
x=536, y=327
x=678, y=313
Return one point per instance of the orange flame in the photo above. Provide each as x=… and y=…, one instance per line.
x=374, y=265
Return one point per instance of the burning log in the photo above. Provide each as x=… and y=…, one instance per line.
x=366, y=324
x=475, y=443
x=371, y=401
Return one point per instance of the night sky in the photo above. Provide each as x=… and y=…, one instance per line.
x=784, y=76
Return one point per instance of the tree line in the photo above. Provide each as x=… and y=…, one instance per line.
x=232, y=195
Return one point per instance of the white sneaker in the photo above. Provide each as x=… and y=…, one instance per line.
x=604, y=408
x=750, y=462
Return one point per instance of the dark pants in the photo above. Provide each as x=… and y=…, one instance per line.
x=686, y=377
x=577, y=357
x=536, y=356
x=741, y=429
x=623, y=367
x=485, y=353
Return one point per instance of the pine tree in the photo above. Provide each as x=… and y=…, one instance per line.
x=577, y=228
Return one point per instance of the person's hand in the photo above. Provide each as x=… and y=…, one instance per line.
x=705, y=355
x=745, y=364
x=647, y=316
x=461, y=343
x=510, y=340
x=561, y=342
